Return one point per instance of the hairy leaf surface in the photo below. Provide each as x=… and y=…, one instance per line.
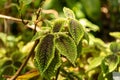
x=67, y=47
x=68, y=13
x=45, y=52
x=55, y=64
x=76, y=30
x=58, y=24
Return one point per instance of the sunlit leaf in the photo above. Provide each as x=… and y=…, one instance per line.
x=115, y=34
x=95, y=63
x=76, y=30
x=66, y=47
x=54, y=65
x=41, y=33
x=110, y=63
x=25, y=2
x=58, y=24
x=115, y=47
x=68, y=13
x=45, y=53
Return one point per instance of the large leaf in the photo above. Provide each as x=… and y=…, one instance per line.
x=110, y=63
x=58, y=24
x=45, y=53
x=55, y=64
x=76, y=30
x=68, y=13
x=67, y=47
x=115, y=47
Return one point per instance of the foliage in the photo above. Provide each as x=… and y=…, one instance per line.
x=69, y=47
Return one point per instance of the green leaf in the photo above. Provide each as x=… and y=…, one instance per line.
x=66, y=47
x=110, y=63
x=115, y=47
x=115, y=34
x=92, y=11
x=58, y=24
x=76, y=30
x=25, y=2
x=89, y=25
x=41, y=33
x=95, y=63
x=55, y=64
x=68, y=13
x=45, y=53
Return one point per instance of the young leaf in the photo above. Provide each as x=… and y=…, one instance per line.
x=76, y=30
x=58, y=24
x=115, y=34
x=45, y=53
x=25, y=2
x=54, y=65
x=110, y=62
x=67, y=47
x=68, y=13
x=41, y=33
x=115, y=47
x=95, y=63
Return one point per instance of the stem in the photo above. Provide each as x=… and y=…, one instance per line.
x=58, y=71
x=25, y=62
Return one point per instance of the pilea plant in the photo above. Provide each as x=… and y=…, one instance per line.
x=61, y=40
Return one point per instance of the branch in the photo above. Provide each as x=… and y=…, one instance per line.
x=24, y=63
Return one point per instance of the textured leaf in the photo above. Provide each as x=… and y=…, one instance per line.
x=76, y=30
x=110, y=63
x=67, y=47
x=45, y=53
x=68, y=13
x=115, y=47
x=55, y=64
x=58, y=24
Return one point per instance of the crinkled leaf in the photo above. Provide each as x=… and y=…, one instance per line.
x=110, y=63
x=68, y=13
x=58, y=24
x=55, y=64
x=115, y=47
x=76, y=30
x=45, y=53
x=95, y=63
x=67, y=47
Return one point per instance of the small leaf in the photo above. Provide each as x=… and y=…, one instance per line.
x=58, y=24
x=115, y=47
x=55, y=64
x=67, y=47
x=76, y=30
x=45, y=53
x=110, y=63
x=41, y=33
x=115, y=34
x=95, y=63
x=25, y=2
x=68, y=13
